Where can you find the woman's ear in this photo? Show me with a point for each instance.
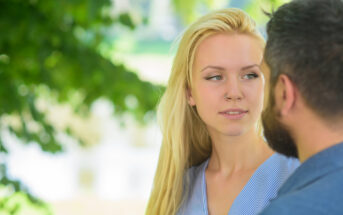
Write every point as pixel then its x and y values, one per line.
pixel 190 98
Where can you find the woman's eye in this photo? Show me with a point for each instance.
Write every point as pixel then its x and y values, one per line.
pixel 215 78
pixel 250 76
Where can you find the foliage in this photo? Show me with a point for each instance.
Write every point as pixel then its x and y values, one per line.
pixel 51 48
pixel 257 8
pixel 190 9
pixel 17 196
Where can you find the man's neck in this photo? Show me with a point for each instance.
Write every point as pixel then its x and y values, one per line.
pixel 314 136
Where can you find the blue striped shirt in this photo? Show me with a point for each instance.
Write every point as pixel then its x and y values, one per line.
pixel 255 195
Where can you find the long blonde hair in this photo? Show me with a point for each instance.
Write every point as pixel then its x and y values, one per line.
pixel 186 141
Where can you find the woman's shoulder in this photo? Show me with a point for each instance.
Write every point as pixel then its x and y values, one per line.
pixel 196 171
pixel 193 177
pixel 278 168
pixel 193 190
pixel 286 163
pixel 264 184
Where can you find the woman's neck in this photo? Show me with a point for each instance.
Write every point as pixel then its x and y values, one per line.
pixel 232 154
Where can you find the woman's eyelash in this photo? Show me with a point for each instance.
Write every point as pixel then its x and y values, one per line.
pixel 214 77
pixel 251 75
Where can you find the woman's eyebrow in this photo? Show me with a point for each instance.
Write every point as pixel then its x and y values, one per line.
pixel 212 67
pixel 222 68
pixel 250 66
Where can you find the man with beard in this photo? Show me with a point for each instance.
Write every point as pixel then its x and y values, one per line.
pixel 304 117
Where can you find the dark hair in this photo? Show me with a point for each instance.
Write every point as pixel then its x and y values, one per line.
pixel 305 42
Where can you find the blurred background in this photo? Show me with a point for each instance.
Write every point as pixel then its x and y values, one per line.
pixel 79 85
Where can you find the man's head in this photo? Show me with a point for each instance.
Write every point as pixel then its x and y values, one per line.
pixel 304 52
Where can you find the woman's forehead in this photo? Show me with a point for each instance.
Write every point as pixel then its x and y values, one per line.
pixel 228 51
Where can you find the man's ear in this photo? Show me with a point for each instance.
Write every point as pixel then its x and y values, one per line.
pixel 190 98
pixel 285 94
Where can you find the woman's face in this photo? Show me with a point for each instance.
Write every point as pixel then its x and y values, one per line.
pixel 228 84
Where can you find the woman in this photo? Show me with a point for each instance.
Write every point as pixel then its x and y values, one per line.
pixel 213 158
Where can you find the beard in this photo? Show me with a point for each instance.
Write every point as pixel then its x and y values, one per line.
pixel 277 135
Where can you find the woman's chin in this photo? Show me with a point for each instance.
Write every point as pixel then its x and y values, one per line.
pixel 233 132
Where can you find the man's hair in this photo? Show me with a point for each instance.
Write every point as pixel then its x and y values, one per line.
pixel 305 42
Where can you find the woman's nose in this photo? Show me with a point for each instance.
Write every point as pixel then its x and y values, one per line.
pixel 233 90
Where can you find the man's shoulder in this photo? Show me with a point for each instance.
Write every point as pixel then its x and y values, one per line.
pixel 322 196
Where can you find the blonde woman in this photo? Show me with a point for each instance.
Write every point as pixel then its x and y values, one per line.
pixel 213 158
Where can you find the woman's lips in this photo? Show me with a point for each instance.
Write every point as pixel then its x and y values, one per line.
pixel 233 113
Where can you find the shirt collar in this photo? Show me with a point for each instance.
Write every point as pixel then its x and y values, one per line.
pixel 318 165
